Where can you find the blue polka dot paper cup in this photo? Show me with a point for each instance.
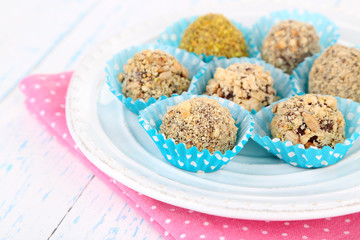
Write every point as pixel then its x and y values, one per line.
pixel 300 75
pixel 282 83
pixel 312 157
pixel 328 32
pixel 115 65
pixel 173 34
pixel 192 159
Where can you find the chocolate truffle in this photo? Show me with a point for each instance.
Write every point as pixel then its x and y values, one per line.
pixel 244 83
pixel 214 34
pixel 337 72
pixel 201 122
pixel 311 120
pixel 288 43
pixel 153 74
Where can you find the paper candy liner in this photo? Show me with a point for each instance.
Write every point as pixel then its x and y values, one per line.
pixel 312 157
pixel 115 65
pixel 192 159
pixel 327 31
pixel 173 34
pixel 282 83
pixel 300 75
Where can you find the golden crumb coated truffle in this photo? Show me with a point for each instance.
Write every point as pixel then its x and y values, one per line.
pixel 201 122
pixel 214 34
pixel 244 83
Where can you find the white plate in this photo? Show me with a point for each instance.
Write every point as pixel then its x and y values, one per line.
pixel 254 185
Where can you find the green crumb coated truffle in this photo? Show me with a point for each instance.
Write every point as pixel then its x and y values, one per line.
pixel 214 34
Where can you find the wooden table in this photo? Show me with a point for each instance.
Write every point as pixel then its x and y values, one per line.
pixel 45 192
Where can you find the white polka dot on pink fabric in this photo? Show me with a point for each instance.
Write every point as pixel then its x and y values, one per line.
pixel 286 223
pixel 166 233
pixel 172 209
pixel 225 226
pixel 304 237
pixel 187 222
pixel 64 135
pixel 221 238
pixel 62 105
pixel 202 236
pixel 53 125
pixel 42 113
pixel 57 84
pixel 284 234
pixel 52 92
pixel 37 86
pixel 183 235
pixel 22 86
pixel 306 226
pixel 206 223
pixel 47 100
pixel 153 207
pixel 62 76
pixel 57 114
pixel 32 100
pixel 347 220
pixel 151 219
pixel 244 228
pixel 346 232
pixel 167 221
pixel 326 230
pixel 137 206
pixel 264 232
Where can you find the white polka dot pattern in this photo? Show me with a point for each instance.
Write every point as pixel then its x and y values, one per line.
pixel 313 157
pixel 174 222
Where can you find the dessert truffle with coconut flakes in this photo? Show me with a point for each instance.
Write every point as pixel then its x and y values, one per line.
pixel 288 43
pixel 311 120
pixel 337 72
pixel 244 83
pixel 214 34
pixel 153 73
pixel 201 122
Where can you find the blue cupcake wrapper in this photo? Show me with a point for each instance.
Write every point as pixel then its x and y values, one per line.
pixel 300 75
pixel 282 84
pixel 115 66
pixel 328 32
pixel 312 157
pixel 192 159
pixel 173 34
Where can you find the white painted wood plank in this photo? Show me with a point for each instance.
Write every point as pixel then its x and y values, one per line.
pixel 109 18
pixel 39 179
pixel 29 32
pixel 102 214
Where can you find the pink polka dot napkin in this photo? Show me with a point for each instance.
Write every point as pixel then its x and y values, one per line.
pixel 45 98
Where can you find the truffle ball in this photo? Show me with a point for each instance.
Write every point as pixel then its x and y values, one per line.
pixel 244 83
pixel 288 43
pixel 200 122
pixel 214 34
pixel 337 72
pixel 153 74
pixel 311 120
